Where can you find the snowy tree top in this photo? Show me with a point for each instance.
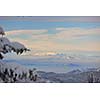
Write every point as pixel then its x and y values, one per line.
pixel 7 46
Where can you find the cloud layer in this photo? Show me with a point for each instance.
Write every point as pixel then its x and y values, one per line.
pixel 62 40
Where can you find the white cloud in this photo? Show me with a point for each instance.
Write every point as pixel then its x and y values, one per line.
pixel 32 32
pixel 65 33
pixel 44 54
pixel 53 42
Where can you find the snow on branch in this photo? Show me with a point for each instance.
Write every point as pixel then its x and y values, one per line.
pixel 7 46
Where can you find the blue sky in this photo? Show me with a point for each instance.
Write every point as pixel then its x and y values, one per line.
pixel 17 25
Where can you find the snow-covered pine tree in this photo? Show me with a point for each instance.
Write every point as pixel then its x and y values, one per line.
pixel 7 46
pixel 12 72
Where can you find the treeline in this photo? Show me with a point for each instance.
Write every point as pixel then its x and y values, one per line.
pixel 93 79
pixel 10 75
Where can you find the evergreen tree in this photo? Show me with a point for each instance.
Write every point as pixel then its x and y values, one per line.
pixel 6 46
pixel 30 74
pixel 90 78
pixel 15 78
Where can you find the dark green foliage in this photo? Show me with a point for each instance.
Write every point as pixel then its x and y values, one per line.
pixel 30 74
pixel 3 76
pixel 93 79
pixel 6 72
pixel 35 78
pixel 24 75
pixel 1 56
pixel 19 76
pixel 15 78
pixel 90 78
pixel 10 75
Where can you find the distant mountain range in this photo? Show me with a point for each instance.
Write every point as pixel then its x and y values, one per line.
pixel 75 76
